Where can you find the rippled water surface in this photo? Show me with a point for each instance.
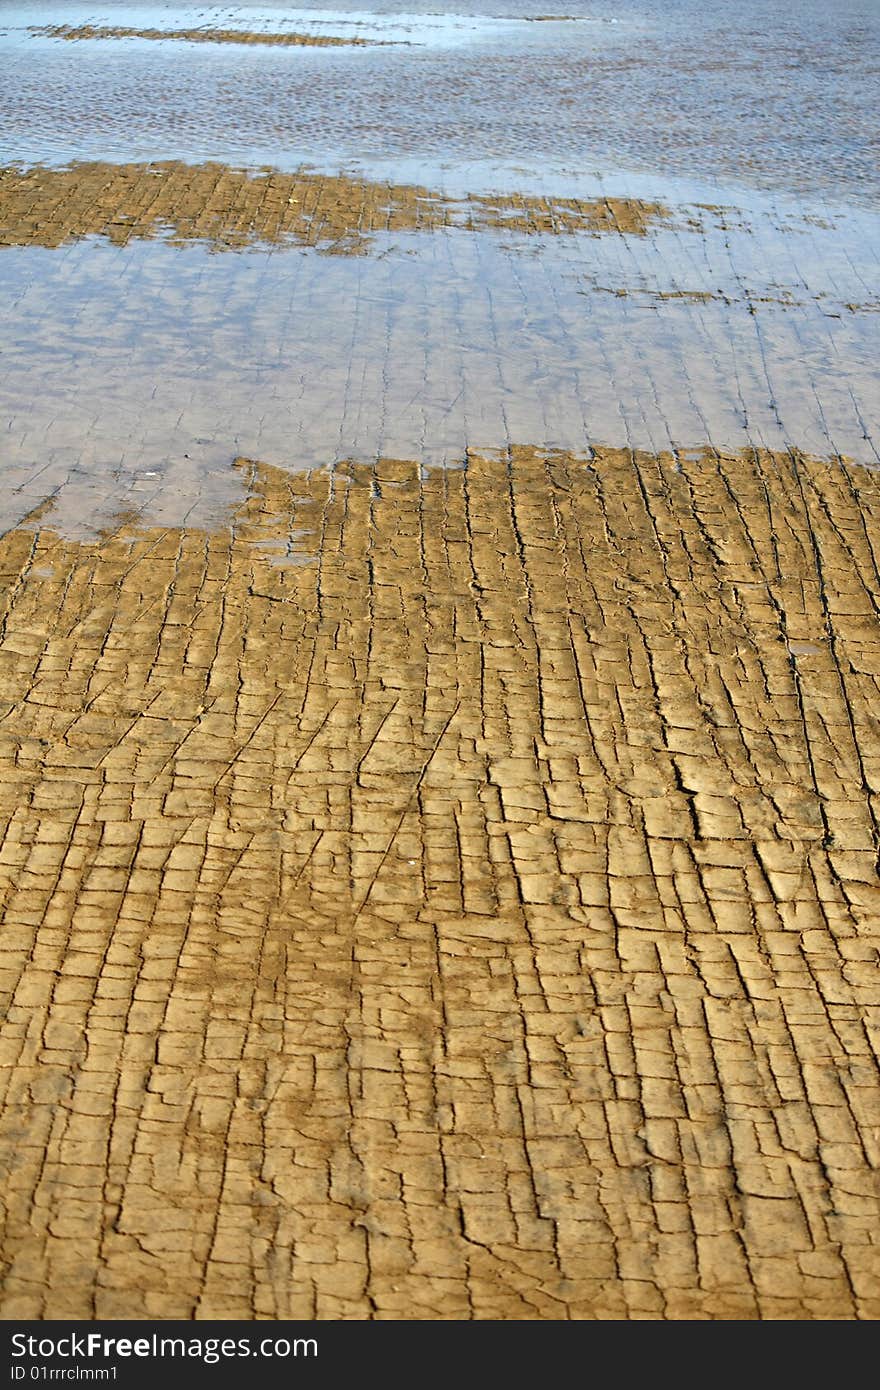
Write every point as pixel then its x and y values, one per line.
pixel 755 93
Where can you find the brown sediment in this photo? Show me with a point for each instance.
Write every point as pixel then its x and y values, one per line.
pixel 232 208
pixel 786 301
pixel 291 40
pixel 656 296
pixel 448 897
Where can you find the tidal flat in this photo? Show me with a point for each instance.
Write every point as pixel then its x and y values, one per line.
pixel 439 662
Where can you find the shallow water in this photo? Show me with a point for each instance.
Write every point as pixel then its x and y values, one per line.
pixel 132 376
pixel 138 373
pixel 754 94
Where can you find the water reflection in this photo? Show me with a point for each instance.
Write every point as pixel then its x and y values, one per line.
pixel 750 94
pixel 135 374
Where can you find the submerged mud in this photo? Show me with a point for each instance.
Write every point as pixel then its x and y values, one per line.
pixel 233 208
pixel 291 40
pixel 448 896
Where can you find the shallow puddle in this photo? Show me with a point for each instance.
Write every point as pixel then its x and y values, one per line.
pixel 135 373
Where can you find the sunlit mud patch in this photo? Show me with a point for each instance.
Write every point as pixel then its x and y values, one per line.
pixel 513 822
pixel 233 208
pixel 239 36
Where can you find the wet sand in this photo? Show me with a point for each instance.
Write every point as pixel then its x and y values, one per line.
pixel 290 40
pixel 231 207
pixel 448 896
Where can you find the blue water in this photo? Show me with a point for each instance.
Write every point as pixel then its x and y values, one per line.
pixel 131 377
pixel 749 95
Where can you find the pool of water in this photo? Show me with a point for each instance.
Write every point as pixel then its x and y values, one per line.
pixel 131 377
pixel 135 374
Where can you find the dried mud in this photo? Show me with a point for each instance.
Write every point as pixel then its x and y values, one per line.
pixel 231 208
pixel 92 31
pixel 449 896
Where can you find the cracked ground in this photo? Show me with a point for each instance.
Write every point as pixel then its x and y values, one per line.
pixel 447 894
